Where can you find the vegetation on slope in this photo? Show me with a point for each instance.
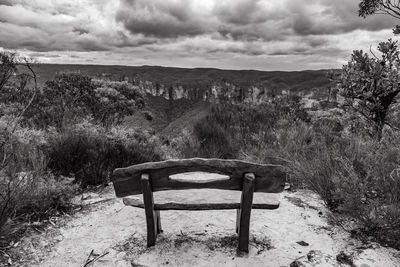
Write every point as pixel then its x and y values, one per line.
pixel 308 81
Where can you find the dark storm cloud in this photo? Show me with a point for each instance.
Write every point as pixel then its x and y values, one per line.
pixel 333 17
pixel 160 18
pixel 80 30
pixel 6 2
pixel 241 12
pixel 246 19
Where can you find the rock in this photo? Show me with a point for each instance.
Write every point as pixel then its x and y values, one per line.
pixel 302 243
pixel 314 256
pixel 297 264
pixel 134 264
pixel 345 258
pixel 374 246
pixel 59 238
pixel 287 187
pixel 89 195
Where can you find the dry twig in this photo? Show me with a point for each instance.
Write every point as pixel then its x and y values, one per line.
pixel 89 262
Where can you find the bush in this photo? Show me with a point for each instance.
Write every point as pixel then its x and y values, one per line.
pixel 90 153
pixel 70 97
pixel 355 175
pixel 183 146
pixel 215 141
pixel 26 188
pixel 38 196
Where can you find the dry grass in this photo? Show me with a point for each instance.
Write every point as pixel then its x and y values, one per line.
pixel 136 245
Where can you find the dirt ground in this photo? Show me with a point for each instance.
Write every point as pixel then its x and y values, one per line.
pixel 116 236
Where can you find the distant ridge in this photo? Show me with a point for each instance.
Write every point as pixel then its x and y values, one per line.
pixel 194 77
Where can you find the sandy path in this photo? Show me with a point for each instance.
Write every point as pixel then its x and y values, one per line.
pixel 194 238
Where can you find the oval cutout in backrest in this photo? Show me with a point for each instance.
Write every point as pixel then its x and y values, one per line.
pixel 198 177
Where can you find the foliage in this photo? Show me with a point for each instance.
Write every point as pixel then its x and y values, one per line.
pixel 183 146
pixel 90 153
pixel 74 96
pixel 388 7
pixel 215 140
pixel 116 100
pixel 68 96
pixel 15 157
pixel 26 188
pixel 8 67
pixel 230 127
pixel 354 175
pixel 371 85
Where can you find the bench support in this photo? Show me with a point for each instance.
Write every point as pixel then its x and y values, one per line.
pixel 153 218
pixel 158 218
pixel 151 215
pixel 245 211
pixel 237 220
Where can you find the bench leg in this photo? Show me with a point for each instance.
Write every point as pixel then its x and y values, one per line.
pixel 245 211
pixel 158 218
pixel 151 217
pixel 237 220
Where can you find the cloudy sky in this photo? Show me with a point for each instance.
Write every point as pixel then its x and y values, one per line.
pixel 232 34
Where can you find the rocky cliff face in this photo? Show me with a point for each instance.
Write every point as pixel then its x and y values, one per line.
pixel 215 92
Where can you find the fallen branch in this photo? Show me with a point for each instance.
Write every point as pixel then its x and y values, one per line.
pixel 88 262
pixel 88 258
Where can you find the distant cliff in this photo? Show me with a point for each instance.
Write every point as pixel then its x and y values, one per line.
pixel 215 92
pixel 213 85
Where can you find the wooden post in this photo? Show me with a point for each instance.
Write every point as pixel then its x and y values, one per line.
pixel 237 220
pixel 149 210
pixel 245 211
pixel 158 218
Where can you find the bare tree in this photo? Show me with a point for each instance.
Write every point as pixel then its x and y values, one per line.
pixel 10 185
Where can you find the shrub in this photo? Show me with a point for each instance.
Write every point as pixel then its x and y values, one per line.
pixel 184 146
pixel 116 100
pixel 354 174
pixel 72 96
pixel 90 153
pixel 215 141
pixel 26 188
pixel 37 196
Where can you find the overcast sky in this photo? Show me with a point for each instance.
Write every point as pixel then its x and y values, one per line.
pixel 230 34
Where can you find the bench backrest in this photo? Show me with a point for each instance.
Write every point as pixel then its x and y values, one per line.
pixel 269 178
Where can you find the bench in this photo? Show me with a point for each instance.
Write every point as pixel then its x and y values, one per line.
pixel 244 176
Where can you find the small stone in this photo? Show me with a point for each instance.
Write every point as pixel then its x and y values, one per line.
pixel 287 186
pixel 59 238
pixel 345 258
pixel 314 255
pixel 302 243
pixel 297 264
